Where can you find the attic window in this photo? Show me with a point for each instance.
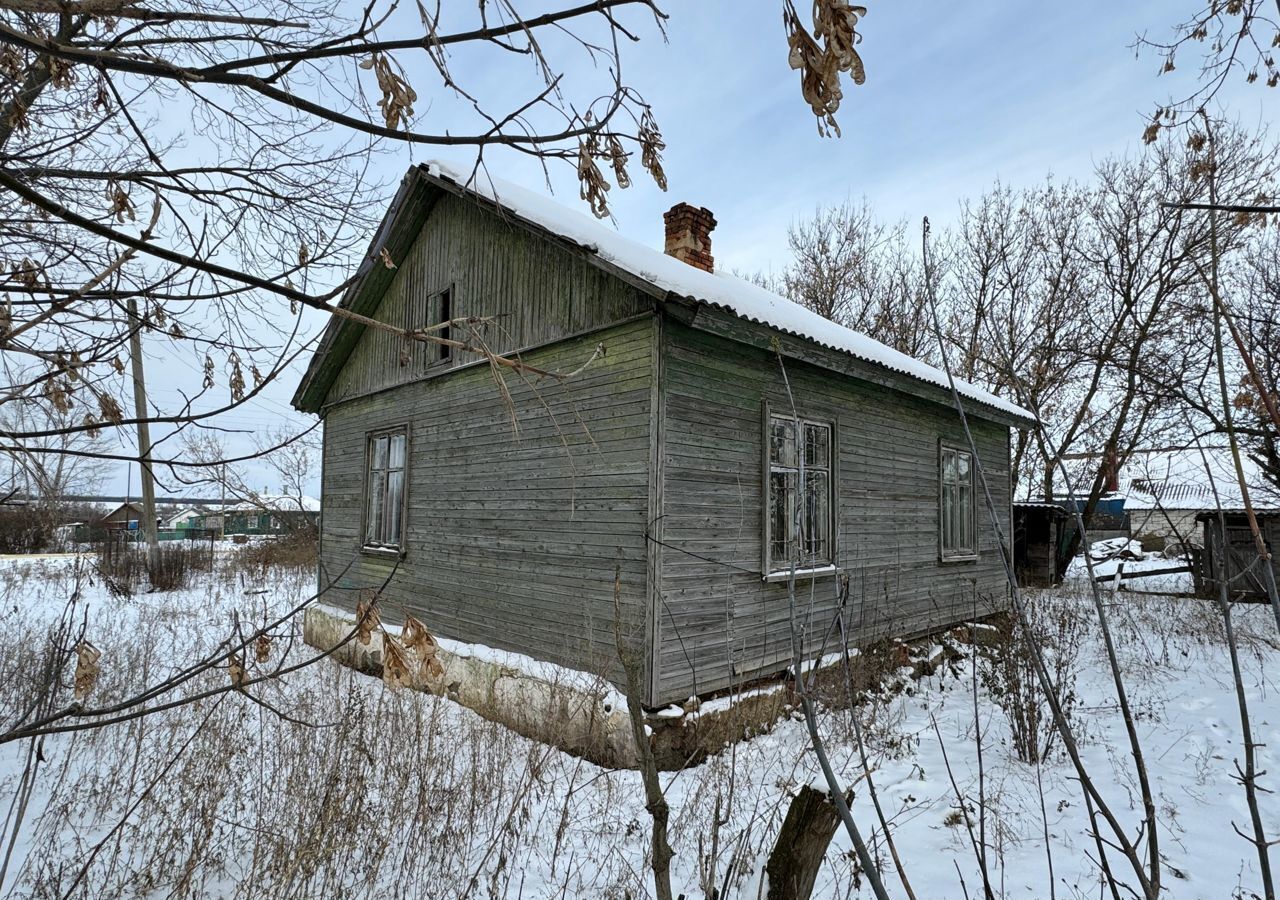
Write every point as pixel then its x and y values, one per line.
pixel 799 501
pixel 384 489
pixel 446 313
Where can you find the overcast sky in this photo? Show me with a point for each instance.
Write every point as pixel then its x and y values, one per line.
pixel 957 97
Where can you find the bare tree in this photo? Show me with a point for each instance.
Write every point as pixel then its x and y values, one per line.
pixel 852 268
pixel 212 165
pixel 1235 39
pixel 44 468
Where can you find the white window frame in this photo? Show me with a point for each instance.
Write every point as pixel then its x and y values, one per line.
pixel 377 483
pixel 782 569
pixel 957 507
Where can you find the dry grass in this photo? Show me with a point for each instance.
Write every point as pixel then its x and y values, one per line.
pixel 361 791
pixel 365 791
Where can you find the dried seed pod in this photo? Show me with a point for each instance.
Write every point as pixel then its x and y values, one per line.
pixel 593 187
pixel 395 667
pixel 262 648
pixel 367 620
pixel 235 669
pixel 424 646
pixel 397 96
pixel 651 147
pixel 87 657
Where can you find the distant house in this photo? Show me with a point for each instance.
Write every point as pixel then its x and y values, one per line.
pixel 186 518
pixel 125 517
pixel 712 440
pixel 263 514
pixel 122 519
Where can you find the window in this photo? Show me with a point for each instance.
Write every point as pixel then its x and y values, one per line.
pixel 957 523
pixel 446 313
pixel 384 489
pixel 798 511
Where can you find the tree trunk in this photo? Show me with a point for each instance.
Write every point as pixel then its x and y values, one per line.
pixel 802 844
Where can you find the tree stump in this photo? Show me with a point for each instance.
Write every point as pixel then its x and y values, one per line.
pixel 802 844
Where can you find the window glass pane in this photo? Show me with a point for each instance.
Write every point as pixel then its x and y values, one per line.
pixel 817 517
pixel 396 459
pixel 380 452
pixel 948 466
pixel 373 520
pixel 965 512
pixel 781 511
pixel 782 442
pixel 395 507
pixel 446 313
pixel 948 534
pixel 962 467
pixel 817 446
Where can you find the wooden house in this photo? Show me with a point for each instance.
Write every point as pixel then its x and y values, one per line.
pixel 263 514
pixel 676 444
pixel 125 517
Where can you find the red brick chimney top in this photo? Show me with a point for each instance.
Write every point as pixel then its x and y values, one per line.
pixel 689 235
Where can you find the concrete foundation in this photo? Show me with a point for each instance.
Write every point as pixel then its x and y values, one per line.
pixel 579 714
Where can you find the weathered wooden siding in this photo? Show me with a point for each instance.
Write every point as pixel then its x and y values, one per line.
pixel 512 537
pixel 719 622
pixel 535 289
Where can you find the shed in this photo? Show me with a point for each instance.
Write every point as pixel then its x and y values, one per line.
pixel 1168 487
pixel 677 446
pixel 1041 532
pixel 1232 556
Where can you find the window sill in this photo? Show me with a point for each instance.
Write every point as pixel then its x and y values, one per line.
pixel 785 574
pixel 967 558
pixel 388 553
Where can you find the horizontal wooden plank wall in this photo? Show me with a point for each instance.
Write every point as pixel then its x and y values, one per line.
pixel 535 290
pixel 513 532
pixel 719 622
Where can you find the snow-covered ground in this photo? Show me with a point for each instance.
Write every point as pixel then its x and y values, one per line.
pixel 365 791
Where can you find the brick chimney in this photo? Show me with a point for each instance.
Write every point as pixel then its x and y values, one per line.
pixel 689 235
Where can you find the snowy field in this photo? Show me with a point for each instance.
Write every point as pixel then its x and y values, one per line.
pixel 336 786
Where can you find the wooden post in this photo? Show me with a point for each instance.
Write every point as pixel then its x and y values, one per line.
pixel 140 411
pixel 802 844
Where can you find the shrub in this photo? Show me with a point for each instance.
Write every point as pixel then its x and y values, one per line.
pixel 295 550
pixel 24 529
pixel 126 562
pixel 1055 630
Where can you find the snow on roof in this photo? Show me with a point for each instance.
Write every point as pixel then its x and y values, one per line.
pixel 740 297
pixel 1178 479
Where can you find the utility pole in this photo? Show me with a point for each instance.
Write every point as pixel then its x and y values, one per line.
pixel 140 408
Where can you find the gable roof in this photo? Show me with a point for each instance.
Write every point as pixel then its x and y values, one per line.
pixel 663 276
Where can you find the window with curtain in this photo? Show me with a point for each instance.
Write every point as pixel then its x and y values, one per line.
pixel 957 522
pixel 384 489
pixel 799 503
